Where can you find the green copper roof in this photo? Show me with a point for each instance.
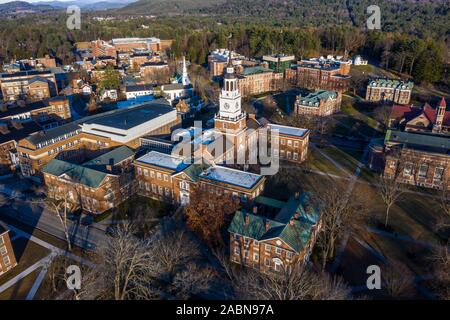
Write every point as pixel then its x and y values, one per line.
pixel 270 202
pixel 79 174
pixel 260 228
pixel 391 83
pixel 314 98
pixel 254 70
pixel 110 158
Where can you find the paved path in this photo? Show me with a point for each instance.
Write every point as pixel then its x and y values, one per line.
pixel 44 262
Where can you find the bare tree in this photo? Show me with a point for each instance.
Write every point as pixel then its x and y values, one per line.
pixel 63 201
pixel 193 280
pixel 342 209
pixel 299 284
pixel 441 269
pixel 397 280
pixel 443 221
pixel 391 189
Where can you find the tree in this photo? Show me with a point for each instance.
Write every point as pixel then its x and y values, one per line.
pixel 342 209
pixel 62 201
pixel 382 115
pixel 193 280
pixel 391 189
pixel 207 212
pixel 110 79
pixel 299 284
pixel 397 280
pixel 441 269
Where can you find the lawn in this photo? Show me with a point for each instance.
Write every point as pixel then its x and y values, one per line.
pixel 21 289
pixel 317 161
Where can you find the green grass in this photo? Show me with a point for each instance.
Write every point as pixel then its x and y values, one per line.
pixel 318 162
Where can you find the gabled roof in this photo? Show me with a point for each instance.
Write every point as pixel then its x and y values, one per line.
pixel 79 174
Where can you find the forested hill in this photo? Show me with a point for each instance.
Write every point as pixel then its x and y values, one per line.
pixel 423 17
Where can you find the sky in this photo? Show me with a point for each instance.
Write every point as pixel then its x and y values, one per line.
pixel 5 1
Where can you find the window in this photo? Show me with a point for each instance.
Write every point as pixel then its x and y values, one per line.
pixel 289 254
pixel 139 171
pixel 288 155
pixel 283 142
pixel 256 243
pixel 167 191
pixel 423 170
pixel 6 260
pixel 1 241
pixel 146 172
pixel 160 190
pixel 166 177
pixel 295 144
pixel 278 250
pixel 277 266
pixel 147 186
pixel 407 171
pixel 295 156
pixel 237 251
pixel 289 142
pixel 159 176
pixel 438 173
pixel 246 254
pixel 3 251
pixel 256 257
pixel 153 188
pixel 267 262
pixel 267 248
pixel 152 174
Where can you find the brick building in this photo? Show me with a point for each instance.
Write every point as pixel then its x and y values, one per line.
pixel 279 62
pixel 7 256
pixel 420 159
pixel 257 80
pixel 273 245
pixel 292 144
pixel 168 177
pixel 130 44
pixel 389 90
pixel 320 74
pixel 101 48
pixel 95 186
pixel 89 136
pixel 425 119
pixel 320 103
pixel 28 84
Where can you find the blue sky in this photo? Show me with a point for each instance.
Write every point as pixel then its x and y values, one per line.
pixel 4 1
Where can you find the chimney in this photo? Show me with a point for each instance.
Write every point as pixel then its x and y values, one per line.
pixel 110 165
pixel 255 210
pixel 4 128
pixel 17 124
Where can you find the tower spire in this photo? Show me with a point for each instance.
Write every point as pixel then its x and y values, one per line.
pixel 184 77
pixel 230 64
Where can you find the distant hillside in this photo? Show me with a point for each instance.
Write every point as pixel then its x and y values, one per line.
pixel 91 5
pixel 168 7
pixel 22 8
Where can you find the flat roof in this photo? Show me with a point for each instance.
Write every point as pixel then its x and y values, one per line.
pixel 163 160
pixel 231 176
pixel 131 117
pixel 291 131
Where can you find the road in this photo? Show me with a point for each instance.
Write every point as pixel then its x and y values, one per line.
pixel 34 215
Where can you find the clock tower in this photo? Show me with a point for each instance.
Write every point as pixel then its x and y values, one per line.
pixel 230 116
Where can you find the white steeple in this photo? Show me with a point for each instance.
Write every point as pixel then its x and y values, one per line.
pixel 185 77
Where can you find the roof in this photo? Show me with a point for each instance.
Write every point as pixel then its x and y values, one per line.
pixel 422 141
pixel 53 133
pixel 131 117
pixel 163 160
pixel 175 86
pixel 270 202
pixel 80 174
pixel 194 170
pixel 254 70
pixel 391 83
pixel 231 176
pixel 140 87
pixel 19 134
pixel 290 131
pixel 24 73
pixel 295 234
pixel 314 98
pixel 110 158
pixel 410 112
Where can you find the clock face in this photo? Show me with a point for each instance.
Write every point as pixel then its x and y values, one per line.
pixel 226 106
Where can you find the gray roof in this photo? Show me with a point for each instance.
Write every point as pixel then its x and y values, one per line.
pixel 133 116
pixel 420 141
